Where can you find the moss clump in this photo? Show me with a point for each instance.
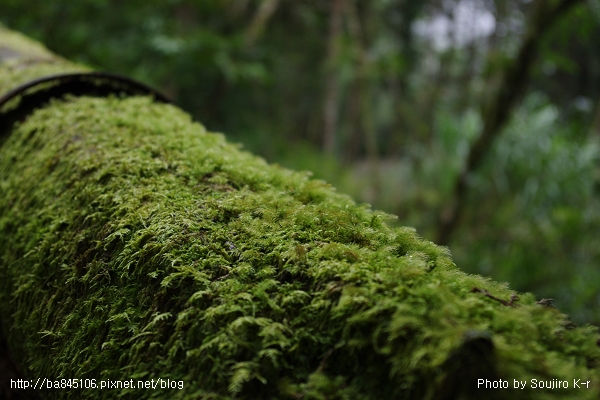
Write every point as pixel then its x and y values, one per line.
pixel 136 245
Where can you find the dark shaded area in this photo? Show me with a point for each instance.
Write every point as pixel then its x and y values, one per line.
pixel 10 374
pixel 472 362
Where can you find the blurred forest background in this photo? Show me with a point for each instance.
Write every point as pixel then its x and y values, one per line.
pixel 475 121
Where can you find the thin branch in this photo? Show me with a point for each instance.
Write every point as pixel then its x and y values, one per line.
pixel 546 303
pixel 259 22
pixel 509 303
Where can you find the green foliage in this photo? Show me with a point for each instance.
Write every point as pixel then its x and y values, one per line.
pixel 541 185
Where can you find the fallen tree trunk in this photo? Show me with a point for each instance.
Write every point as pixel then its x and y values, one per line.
pixel 145 257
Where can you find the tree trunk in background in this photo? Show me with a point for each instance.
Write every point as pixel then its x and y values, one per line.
pixel 359 32
pixel 332 81
pixel 401 18
pixel 497 111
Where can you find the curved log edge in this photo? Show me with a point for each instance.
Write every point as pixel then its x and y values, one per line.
pixel 24 99
pixel 138 246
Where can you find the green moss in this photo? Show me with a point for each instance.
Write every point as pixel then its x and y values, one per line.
pixel 136 245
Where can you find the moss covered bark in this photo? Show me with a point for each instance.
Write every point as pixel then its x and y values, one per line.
pixel 137 245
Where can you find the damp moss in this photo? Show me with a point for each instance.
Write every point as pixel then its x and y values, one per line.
pixel 137 245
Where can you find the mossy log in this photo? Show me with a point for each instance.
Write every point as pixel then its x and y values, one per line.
pixel 135 245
